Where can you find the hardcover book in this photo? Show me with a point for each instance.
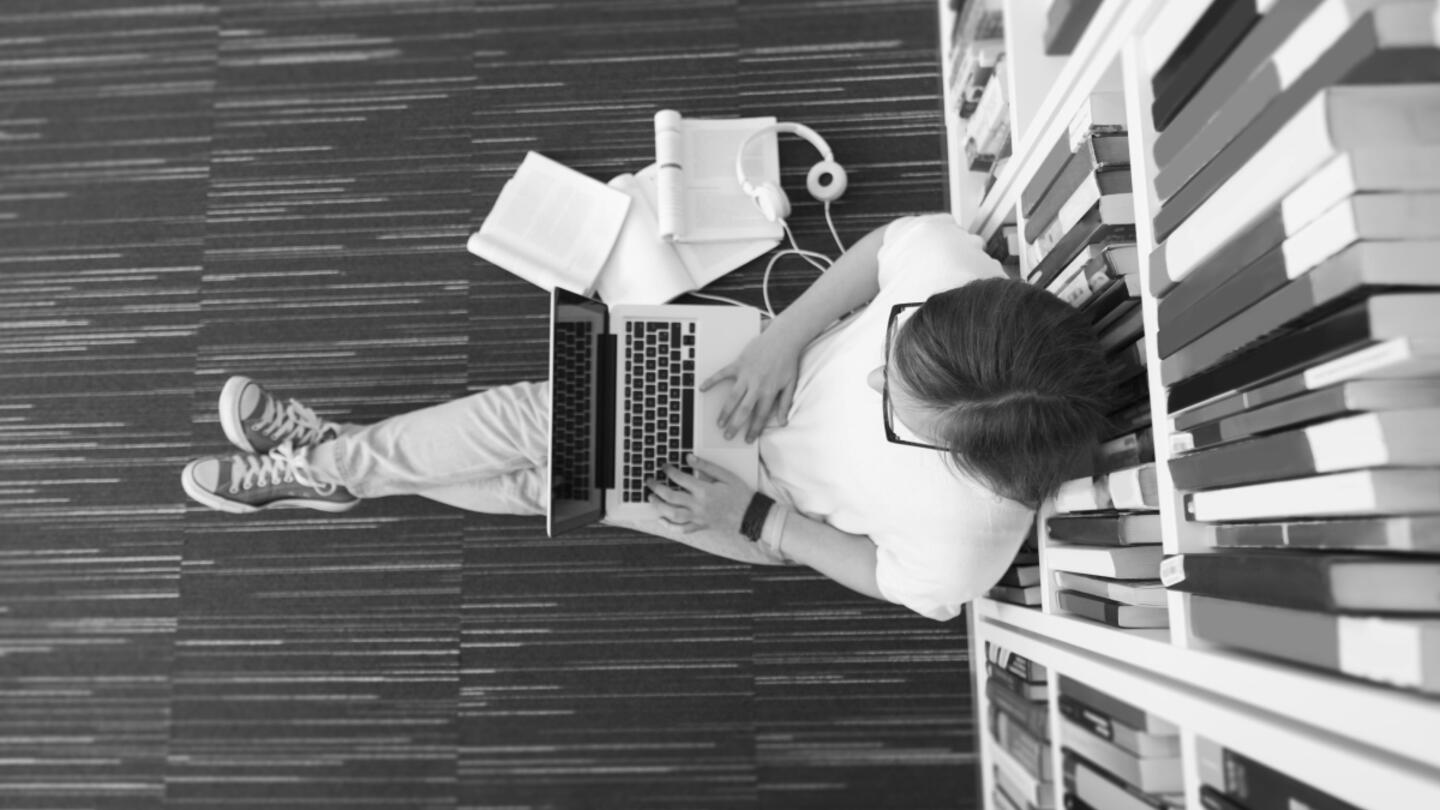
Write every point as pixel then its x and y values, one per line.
pixel 1139 592
pixel 1339 118
pixel 1357 493
pixel 1140 743
pixel 1403 533
pixel 1118 562
pixel 1218 31
pixel 1334 583
pixel 1116 614
pixel 1401 651
pixel 1117 529
pixel 1150 774
pixel 1407 438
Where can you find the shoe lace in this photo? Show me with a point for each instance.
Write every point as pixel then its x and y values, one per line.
pixel 283 464
pixel 293 421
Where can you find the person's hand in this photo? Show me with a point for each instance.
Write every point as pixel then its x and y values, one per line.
pixel 712 498
pixel 764 378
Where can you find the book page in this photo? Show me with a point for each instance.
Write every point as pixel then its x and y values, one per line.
pixel 642 268
pixel 700 199
pixel 704 261
pixel 553 226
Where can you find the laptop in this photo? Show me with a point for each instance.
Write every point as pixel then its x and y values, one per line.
pixel 626 401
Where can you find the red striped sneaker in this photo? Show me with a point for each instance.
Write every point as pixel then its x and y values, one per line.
pixel 248 482
pixel 258 421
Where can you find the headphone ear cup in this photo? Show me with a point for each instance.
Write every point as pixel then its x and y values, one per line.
pixel 826 181
pixel 772 201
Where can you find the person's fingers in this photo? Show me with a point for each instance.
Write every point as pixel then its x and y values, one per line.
pixel 680 478
pixel 669 495
pixel 782 407
pixel 759 415
pixel 727 373
pixel 712 469
pixel 740 416
pixel 733 402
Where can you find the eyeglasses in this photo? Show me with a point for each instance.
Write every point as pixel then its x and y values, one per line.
pixel 888 408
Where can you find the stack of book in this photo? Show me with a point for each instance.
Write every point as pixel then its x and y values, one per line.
pixel 1116 756
pixel 1104 551
pixel 1232 781
pixel 1020 584
pixel 1298 337
pixel 1079 239
pixel 979 86
pixel 1019 725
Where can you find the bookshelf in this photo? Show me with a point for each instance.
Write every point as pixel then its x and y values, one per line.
pixel 1358 741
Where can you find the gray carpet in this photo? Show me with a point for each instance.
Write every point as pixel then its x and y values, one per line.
pixel 284 189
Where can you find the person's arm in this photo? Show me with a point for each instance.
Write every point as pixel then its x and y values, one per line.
pixel 715 498
pixel 849 559
pixel 764 374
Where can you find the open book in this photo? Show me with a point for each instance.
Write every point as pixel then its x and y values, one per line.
pixel 645 269
pixel 552 226
pixel 700 199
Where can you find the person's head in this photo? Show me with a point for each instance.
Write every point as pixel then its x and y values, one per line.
pixel 1007 377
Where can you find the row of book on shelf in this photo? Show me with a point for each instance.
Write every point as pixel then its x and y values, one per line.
pixel 1298 168
pixel 1113 755
pixel 1298 331
pixel 979 86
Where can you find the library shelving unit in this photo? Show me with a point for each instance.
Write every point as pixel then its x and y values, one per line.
pixel 1366 744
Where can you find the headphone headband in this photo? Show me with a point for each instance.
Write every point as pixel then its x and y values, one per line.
pixel 782 127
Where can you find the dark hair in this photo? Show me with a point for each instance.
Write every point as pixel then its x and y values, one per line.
pixel 1018 378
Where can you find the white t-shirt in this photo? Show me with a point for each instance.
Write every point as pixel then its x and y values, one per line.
pixel 941 538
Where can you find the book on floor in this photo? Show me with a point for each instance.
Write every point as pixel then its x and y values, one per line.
pixel 1140 743
pixel 1116 614
pixel 645 269
pixel 1308 580
pixel 1392 43
pixel 1354 493
pixel 1401 533
pixel 1151 774
pixel 1342 399
pixel 552 226
pixel 1112 529
pixel 1401 651
pixel 699 199
pixel 1116 562
pixel 1337 119
pixel 1139 592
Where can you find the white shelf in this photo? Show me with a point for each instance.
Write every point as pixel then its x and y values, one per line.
pixel 1364 743
pixel 1164 682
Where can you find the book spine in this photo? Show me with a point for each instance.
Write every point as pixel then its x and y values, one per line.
pixel 1033 715
pixel 1260 787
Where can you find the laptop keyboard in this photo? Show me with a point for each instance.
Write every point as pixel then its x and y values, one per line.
pixel 659 397
pixel 573 414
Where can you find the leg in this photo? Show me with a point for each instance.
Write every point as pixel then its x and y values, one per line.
pixel 489 435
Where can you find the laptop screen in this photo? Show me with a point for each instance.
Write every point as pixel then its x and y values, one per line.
pixel 581 390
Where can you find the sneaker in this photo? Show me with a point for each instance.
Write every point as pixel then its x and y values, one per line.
pixel 258 421
pixel 248 482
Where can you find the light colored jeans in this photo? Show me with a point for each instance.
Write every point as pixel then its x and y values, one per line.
pixel 486 452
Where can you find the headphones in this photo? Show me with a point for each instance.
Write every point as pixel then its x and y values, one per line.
pixel 826 180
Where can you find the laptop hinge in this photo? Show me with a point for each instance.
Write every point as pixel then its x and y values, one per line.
pixel 605 437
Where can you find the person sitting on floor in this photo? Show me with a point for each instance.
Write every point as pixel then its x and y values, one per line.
pixel 904 448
